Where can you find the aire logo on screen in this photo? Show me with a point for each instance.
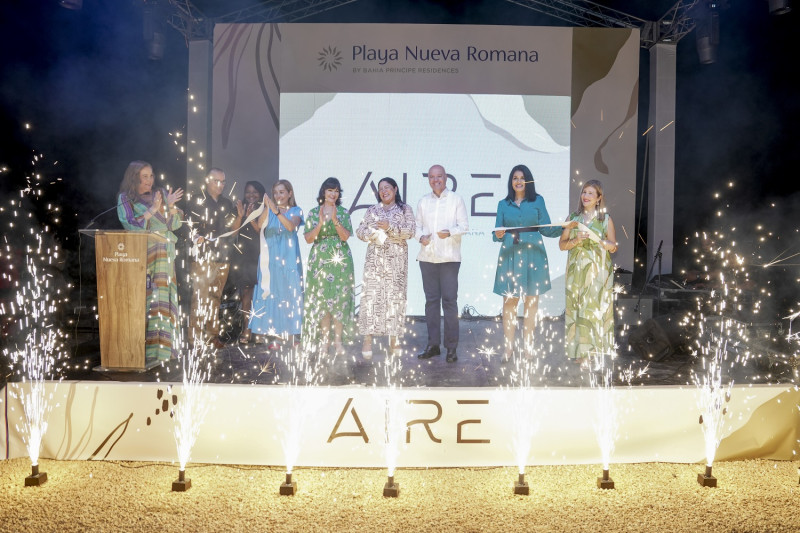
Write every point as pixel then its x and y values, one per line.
pixel 330 58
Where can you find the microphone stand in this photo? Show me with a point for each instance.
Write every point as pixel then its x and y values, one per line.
pixel 657 259
pixel 89 225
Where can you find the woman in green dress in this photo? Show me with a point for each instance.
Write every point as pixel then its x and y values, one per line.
pixel 330 287
pixel 141 206
pixel 589 317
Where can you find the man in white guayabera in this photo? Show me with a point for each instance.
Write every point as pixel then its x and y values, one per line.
pixel 441 220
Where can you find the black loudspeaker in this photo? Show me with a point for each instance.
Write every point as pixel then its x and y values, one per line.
pixel 656 339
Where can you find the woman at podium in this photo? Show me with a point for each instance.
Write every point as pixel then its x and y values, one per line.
pixel 141 206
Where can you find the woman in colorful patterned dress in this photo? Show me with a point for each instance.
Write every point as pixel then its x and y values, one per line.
pixel 141 207
pixel 589 317
pixel 330 291
pixel 522 269
pixel 278 296
pixel 386 227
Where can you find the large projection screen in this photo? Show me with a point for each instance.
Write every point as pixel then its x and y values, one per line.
pixel 365 101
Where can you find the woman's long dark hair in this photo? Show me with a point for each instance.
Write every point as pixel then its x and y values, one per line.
pixel 399 201
pixel 330 183
pixel 258 187
pixel 530 186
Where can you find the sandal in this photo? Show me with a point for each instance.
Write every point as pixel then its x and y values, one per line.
pixel 338 348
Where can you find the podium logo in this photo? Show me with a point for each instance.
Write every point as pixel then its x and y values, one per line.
pixel 330 58
pixel 120 246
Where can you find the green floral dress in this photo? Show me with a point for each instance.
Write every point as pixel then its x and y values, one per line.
pixel 330 280
pixel 589 317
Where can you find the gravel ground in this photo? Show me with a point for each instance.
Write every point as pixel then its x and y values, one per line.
pixel 752 495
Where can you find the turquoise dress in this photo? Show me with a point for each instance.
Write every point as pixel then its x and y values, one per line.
pixel 279 313
pixel 522 268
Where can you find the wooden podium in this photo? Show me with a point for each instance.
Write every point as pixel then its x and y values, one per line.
pixel 121 258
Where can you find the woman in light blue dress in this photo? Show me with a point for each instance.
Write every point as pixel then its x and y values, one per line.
pixel 277 308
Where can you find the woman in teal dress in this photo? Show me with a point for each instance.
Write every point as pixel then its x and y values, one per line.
pixel 522 270
pixel 277 308
pixel 589 317
pixel 330 288
pixel 141 207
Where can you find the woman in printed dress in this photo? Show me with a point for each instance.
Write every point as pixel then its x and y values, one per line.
pixel 386 227
pixel 141 206
pixel 589 317
pixel 330 290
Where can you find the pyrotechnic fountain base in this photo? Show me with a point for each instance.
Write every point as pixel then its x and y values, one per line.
pixel 605 482
pixel 288 487
pixel 706 479
pixel 181 484
pixel 391 489
pixel 521 486
pixel 36 478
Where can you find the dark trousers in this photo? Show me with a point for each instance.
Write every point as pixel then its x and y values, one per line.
pixel 440 283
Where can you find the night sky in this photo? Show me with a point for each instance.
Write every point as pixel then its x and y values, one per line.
pixel 83 81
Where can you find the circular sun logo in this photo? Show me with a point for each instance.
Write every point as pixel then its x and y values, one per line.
pixel 330 58
pixel 120 246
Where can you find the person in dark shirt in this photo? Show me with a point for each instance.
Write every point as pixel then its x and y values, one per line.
pixel 215 215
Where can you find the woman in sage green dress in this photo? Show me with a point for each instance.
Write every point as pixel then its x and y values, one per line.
pixel 589 317
pixel 330 287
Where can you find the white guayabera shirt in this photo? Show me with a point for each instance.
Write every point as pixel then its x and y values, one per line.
pixel 434 214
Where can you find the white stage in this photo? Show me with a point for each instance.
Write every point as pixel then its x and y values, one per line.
pixel 449 427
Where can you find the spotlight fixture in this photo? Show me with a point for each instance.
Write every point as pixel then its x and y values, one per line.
pixel 181 484
pixel 706 479
pixel 36 478
pixel 521 486
pixel 391 489
pixel 153 30
pixel 707 34
pixel 779 7
pixel 605 482
pixel 289 487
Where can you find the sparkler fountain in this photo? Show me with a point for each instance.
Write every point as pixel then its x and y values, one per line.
pixel 37 357
pixel 290 413
pixel 526 406
pixel 396 417
pixel 191 408
pixel 712 398
pixel 606 423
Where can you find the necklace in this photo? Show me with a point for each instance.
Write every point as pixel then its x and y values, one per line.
pixel 587 217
